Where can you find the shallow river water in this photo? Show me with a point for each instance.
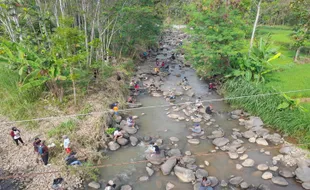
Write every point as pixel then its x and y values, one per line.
pixel 155 122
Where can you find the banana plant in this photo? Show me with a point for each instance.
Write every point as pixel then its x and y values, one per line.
pixel 290 103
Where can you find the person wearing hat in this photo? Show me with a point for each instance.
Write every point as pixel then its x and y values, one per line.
pixel 67 144
pixel 15 134
pixel 110 186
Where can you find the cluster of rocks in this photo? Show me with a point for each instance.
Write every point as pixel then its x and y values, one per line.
pixel 173 162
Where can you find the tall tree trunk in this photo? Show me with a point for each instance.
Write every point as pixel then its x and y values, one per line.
pixel 297 53
pixel 255 25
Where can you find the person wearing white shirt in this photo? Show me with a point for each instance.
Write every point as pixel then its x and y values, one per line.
pixel 67 144
pixel 117 134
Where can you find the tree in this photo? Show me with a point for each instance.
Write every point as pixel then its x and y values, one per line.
pixel 218 31
pixel 255 24
pixel 301 12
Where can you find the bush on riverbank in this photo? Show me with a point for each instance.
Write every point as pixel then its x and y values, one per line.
pixel 290 121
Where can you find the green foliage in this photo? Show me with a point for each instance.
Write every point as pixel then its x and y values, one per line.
pixel 291 121
pixel 217 33
pixel 255 66
pixel 110 131
pixel 291 104
pixel 64 128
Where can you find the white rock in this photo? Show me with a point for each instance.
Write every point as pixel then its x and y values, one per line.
pixel 243 157
pixel 262 167
pixel 261 141
pixel 248 163
pixel 94 185
pixel 207 163
pixel 169 186
pixel 239 166
pixel 267 175
pixel 144 178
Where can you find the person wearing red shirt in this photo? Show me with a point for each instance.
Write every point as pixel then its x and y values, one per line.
pixel 15 134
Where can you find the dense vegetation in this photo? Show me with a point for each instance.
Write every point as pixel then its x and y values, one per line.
pixel 242 44
pixel 55 49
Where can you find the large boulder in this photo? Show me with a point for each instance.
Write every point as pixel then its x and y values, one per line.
pixel 184 174
pixel 133 140
pixel 113 146
pixel 122 141
pixel 130 130
pixel 193 141
pixel 286 173
pixel 303 173
pixel 255 122
pixel 220 141
pixel 279 181
pixel 94 185
pixel 248 163
pixel 236 180
pixel 216 134
pixel 174 153
pixel 248 134
pixel 200 173
pixel 155 159
pixel 214 180
pixel 188 160
pixel 168 166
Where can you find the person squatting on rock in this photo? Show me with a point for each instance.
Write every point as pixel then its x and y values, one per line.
pixel 43 152
pixel 110 186
pixel 199 103
pixel 130 122
pixel 209 109
pixel 15 134
pixel 117 134
pixel 185 81
pixel 205 184
pixel 114 107
pixel 153 149
pixel 196 128
pixel 67 144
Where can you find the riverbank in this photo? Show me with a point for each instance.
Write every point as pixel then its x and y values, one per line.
pixel 86 134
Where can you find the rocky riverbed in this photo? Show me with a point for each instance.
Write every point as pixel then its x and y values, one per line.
pixel 236 150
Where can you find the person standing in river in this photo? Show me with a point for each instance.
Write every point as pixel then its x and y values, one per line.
pixel 15 134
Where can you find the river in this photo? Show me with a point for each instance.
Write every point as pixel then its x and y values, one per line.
pixel 155 123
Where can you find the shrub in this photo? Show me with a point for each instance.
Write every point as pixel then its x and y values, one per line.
pixel 110 131
pixel 64 128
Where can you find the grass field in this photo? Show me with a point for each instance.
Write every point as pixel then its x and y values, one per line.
pixel 291 76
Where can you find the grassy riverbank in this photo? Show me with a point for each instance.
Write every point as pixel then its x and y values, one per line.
pixel 290 121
